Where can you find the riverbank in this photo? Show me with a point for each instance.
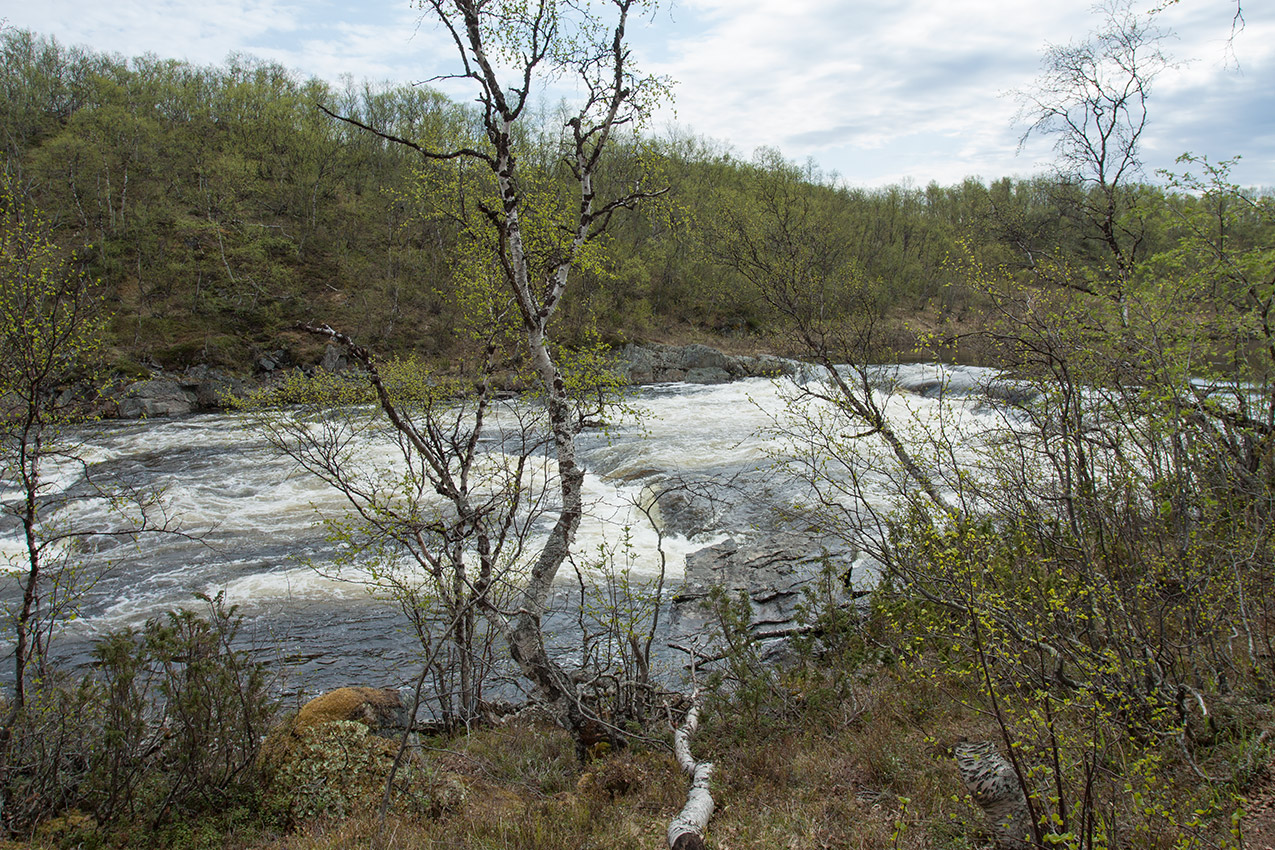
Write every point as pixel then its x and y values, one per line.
pixel 678 353
pixel 843 747
pixel 843 737
pixel 205 389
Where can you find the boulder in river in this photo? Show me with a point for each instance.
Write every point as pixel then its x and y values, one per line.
pixel 167 394
pixel 156 397
pixel 655 363
pixel 773 571
pixel 212 387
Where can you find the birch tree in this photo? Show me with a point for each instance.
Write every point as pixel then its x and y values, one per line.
pixel 51 329
pixel 534 237
pixel 1091 98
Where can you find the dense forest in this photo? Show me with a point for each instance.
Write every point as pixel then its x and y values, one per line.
pixel 221 205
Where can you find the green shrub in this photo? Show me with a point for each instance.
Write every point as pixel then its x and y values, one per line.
pixel 338 769
pixel 169 721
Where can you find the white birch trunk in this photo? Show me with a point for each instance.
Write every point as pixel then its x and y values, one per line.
pixel 686 831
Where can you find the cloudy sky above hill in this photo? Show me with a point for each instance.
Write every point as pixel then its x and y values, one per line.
pixel 879 91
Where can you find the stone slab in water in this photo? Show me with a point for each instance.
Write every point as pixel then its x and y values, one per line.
pixel 696 364
pixel 773 572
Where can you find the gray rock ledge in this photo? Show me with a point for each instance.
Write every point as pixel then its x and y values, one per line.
pixel 773 572
pixel 656 363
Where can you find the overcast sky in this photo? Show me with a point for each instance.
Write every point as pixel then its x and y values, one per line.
pixel 879 91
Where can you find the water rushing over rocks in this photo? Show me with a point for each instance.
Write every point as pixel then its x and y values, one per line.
pixel 700 457
pixel 203 389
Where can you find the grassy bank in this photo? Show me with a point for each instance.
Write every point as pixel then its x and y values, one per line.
pixel 849 746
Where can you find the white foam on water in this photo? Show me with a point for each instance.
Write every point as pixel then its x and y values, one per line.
pixel 616 530
pixel 692 427
pixel 253 501
pixel 297 583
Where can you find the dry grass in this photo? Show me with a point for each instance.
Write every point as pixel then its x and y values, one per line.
pixel 871 776
pixel 874 775
pixel 523 789
pixel 871 769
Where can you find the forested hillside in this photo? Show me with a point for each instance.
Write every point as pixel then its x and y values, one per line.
pixel 220 205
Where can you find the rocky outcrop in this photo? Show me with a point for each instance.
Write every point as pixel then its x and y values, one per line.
pixel 155 397
pixel 697 364
pixel 202 388
pixel 773 572
pixel 212 387
pixel 334 359
pixel 273 361
pixel 169 394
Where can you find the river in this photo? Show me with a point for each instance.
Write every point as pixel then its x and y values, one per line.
pixel 250 516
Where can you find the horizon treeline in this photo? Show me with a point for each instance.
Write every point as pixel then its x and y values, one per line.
pixel 219 206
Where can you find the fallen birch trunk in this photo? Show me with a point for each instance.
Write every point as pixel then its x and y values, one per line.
pixel 686 831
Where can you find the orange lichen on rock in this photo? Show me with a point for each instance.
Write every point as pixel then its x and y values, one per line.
pixel 377 708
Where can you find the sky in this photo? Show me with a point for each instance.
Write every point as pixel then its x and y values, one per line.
pixel 876 92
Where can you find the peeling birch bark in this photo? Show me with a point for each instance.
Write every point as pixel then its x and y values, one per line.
pixel 686 831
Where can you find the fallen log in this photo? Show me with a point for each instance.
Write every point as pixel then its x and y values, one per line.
pixel 686 831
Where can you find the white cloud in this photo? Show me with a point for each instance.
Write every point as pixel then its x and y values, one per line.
pixel 880 91
pixel 875 89
pixel 203 31
pixel 856 85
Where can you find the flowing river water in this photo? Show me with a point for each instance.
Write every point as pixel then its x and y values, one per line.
pixel 251 517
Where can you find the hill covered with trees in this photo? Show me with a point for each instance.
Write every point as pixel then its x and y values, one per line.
pixel 219 206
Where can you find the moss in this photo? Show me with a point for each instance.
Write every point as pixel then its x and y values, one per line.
pixel 376 708
pixel 72 828
pixel 338 768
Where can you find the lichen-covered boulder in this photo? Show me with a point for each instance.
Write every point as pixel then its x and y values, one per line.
pixel 333 757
